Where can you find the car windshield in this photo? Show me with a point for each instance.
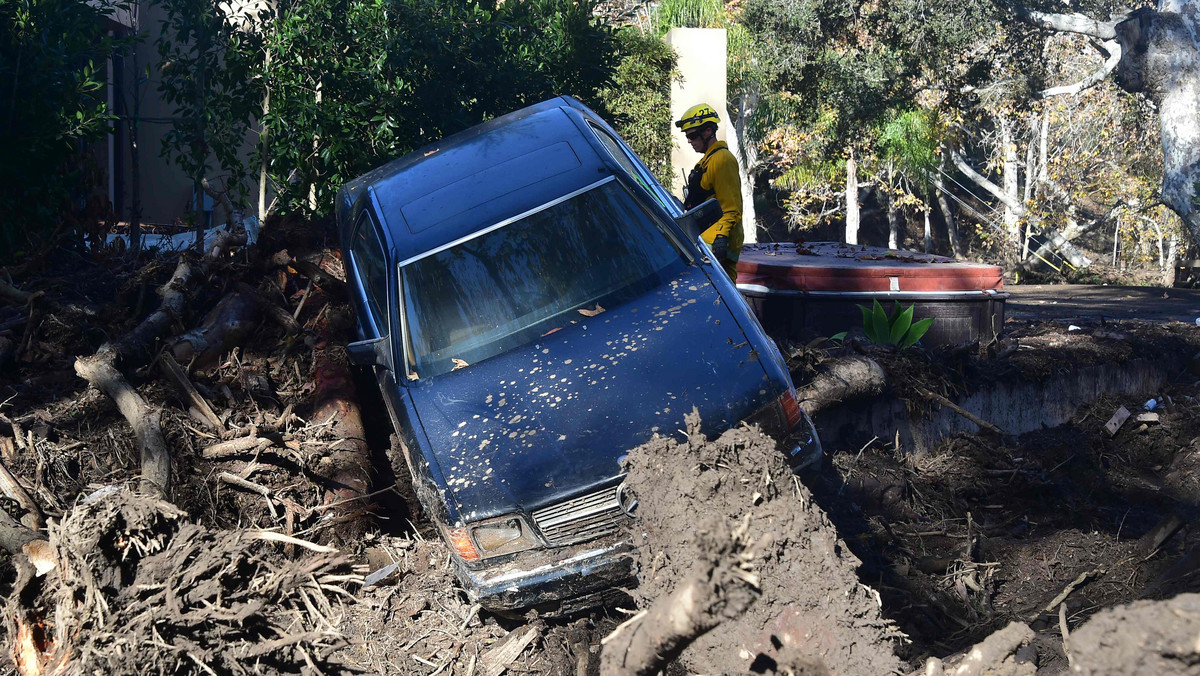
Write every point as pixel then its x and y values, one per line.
pixel 549 269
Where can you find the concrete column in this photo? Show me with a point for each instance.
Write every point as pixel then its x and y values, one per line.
pixel 701 53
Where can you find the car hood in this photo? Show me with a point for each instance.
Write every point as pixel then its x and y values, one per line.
pixel 547 421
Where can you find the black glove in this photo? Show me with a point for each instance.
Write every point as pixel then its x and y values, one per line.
pixel 720 247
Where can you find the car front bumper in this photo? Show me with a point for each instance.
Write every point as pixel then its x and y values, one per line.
pixel 540 576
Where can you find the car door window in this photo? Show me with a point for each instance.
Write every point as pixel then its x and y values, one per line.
pixel 367 256
pixel 618 153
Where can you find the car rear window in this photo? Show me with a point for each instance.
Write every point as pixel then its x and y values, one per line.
pixel 511 285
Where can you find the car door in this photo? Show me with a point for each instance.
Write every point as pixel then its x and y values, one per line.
pixel 373 281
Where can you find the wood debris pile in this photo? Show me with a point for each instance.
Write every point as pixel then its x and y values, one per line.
pixel 138 588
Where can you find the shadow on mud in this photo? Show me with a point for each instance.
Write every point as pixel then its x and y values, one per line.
pixel 963 539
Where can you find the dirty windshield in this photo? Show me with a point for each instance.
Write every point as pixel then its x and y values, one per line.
pixel 548 270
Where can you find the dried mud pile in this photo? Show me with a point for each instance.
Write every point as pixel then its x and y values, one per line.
pixel 797 604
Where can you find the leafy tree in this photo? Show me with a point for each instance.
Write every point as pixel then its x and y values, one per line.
pixel 208 62
pixel 51 79
pixel 354 83
pixel 840 71
pixel 638 102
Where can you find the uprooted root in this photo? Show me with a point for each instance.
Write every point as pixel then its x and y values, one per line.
pixel 139 589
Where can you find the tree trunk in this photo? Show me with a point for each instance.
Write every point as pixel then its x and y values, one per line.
pixel 956 244
pixel 312 186
pixel 928 228
pixel 852 216
pixel 262 144
pixel 1031 158
pixel 1012 184
pixel 135 162
pixel 1043 174
pixel 1159 55
pixel 1162 59
pixel 1168 273
pixel 895 226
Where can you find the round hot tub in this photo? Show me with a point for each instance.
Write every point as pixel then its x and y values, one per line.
pixel 811 289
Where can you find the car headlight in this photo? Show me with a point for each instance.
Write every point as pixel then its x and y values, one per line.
pixel 502 536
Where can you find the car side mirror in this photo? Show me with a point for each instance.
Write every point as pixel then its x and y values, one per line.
pixel 373 352
pixel 700 218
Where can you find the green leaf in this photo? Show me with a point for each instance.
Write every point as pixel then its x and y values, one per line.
pixel 900 324
pixel 838 337
pixel 915 333
pixel 879 333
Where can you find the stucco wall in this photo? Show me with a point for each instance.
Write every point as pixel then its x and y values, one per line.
pixel 701 53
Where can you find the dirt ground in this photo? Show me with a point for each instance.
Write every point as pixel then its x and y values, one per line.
pixel 874 563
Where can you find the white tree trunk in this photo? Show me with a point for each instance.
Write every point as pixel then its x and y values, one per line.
pixel 262 141
pixel 1031 169
pixel 928 228
pixel 852 216
pixel 1043 174
pixel 1168 276
pixel 1012 183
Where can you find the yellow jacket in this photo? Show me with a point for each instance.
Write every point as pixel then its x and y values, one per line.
pixel 720 178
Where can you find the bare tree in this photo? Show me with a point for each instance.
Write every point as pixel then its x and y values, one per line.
pixel 1155 52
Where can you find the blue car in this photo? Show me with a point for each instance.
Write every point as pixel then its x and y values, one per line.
pixel 535 304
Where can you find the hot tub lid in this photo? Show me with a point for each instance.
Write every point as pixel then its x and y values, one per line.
pixel 833 267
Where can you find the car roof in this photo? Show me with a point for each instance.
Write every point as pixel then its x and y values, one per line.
pixel 482 176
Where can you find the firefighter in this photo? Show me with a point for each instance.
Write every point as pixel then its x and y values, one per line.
pixel 715 175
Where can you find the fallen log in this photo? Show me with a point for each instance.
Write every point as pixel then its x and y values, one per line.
pixel 13 489
pixel 15 296
pixel 346 467
pixel 840 380
pixel 327 282
pixel 100 369
pixel 227 325
pixel 183 385
pixel 14 536
pixel 141 340
pixel 942 401
pixel 100 373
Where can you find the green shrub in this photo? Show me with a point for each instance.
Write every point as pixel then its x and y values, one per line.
pixel 52 55
pixel 638 102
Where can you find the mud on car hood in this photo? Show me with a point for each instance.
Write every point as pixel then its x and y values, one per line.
pixel 538 424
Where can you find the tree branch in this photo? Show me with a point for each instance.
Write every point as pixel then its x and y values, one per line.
pixel 982 181
pixel 1068 23
pixel 1095 78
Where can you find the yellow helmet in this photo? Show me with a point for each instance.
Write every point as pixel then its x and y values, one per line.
pixel 697 116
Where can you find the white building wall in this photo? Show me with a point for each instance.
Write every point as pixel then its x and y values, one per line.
pixel 701 53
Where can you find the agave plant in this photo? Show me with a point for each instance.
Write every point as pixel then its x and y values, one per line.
pixel 897 329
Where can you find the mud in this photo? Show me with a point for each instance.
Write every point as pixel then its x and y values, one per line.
pixel 946 546
pixel 1145 637
pixel 808 600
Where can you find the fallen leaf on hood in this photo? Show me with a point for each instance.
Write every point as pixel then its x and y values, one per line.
pixel 459 364
pixel 557 328
pixel 591 313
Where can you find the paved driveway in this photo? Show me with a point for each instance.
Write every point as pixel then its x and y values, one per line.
pixel 1065 302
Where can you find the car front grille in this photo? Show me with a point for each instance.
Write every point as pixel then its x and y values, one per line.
pixel 583 518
